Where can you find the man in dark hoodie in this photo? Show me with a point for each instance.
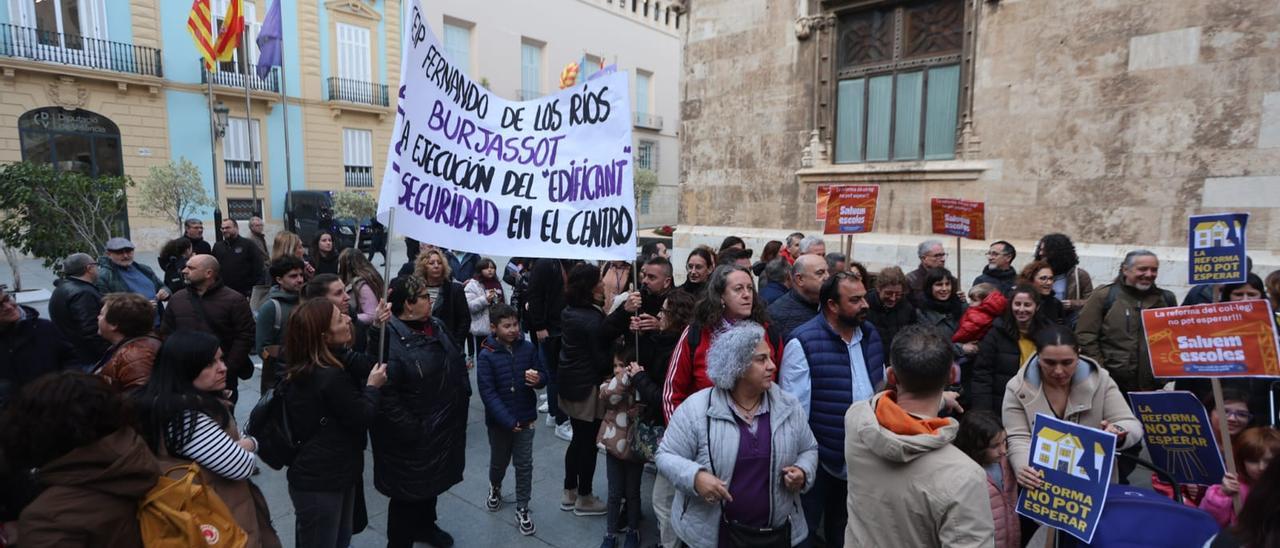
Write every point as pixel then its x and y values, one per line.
pixel 999 270
pixel 286 272
pixel 29 347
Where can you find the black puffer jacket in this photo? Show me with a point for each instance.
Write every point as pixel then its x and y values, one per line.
pixel 74 308
pixel 889 321
pixel 453 311
pixel 790 311
pixel 331 409
pixel 998 360
pixel 420 433
pixel 586 357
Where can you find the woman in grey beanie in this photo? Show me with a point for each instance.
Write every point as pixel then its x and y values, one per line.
pixel 739 453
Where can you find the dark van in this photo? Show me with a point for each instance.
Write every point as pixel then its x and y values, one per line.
pixel 307 212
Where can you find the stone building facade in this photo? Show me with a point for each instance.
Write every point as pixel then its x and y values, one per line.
pixel 1110 121
pixel 116 87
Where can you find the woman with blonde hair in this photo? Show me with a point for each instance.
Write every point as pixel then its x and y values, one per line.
pixel 288 243
pixel 448 300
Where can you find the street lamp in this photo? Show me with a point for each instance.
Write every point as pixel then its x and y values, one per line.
pixel 221 114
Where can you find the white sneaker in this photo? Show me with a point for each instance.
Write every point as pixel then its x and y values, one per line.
pixel 565 431
pixel 542 407
pixel 551 421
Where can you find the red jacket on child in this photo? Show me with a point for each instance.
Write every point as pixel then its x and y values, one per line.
pixel 976 321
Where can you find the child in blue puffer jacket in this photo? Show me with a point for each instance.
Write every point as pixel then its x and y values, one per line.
pixel 508 370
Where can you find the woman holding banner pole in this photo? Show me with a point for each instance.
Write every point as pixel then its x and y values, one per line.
pixel 1059 382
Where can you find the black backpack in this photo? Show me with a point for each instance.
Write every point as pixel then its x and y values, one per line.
pixel 269 425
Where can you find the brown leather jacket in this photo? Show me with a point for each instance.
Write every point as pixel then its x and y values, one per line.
pixel 130 361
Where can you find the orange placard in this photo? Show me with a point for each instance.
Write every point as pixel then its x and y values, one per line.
pixel 1234 339
pixel 851 209
pixel 822 202
pixel 963 218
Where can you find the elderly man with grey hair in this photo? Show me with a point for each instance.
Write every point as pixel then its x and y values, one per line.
pixel 800 304
pixel 813 245
pixel 932 255
pixel 740 451
pixel 74 307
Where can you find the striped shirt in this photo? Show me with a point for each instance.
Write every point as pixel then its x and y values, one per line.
pixel 215 450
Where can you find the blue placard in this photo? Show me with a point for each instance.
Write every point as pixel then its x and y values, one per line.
pixel 1178 435
pixel 1216 244
pixel 1076 461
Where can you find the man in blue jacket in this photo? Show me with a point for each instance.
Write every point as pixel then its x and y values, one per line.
pixel 829 363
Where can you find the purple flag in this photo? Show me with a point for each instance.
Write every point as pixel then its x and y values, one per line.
pixel 269 41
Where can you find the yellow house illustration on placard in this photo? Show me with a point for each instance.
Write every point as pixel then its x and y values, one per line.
pixel 1213 234
pixel 1062 452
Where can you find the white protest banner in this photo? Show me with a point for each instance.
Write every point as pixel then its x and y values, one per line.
pixel 471 171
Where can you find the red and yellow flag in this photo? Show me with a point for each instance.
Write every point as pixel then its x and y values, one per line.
pixel 200 27
pixel 232 28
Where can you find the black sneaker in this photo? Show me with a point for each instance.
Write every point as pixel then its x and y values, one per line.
pixel 437 537
pixel 494 502
pixel 524 522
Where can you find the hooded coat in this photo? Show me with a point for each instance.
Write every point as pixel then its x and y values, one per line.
pixel 1094 397
pixel 914 490
pixel 91 495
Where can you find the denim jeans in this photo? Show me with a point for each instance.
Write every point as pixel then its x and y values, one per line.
pixel 516 448
pixel 624 482
pixel 323 518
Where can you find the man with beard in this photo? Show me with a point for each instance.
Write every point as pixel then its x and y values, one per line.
pixel 193 229
pixel 1110 329
pixel 208 305
pixel 829 363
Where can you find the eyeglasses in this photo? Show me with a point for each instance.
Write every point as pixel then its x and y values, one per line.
pixel 1242 415
pixel 942 255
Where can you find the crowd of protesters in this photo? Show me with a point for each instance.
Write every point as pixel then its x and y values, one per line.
pixel 797 400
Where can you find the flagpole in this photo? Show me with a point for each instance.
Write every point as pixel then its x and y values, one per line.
pixel 213 147
pixel 284 100
pixel 386 286
pixel 248 118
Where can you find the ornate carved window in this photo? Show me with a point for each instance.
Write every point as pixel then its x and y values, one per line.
pixel 898 81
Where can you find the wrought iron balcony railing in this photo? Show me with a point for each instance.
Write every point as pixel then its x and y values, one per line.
pixel 243 172
pixel 236 78
pixel 359 176
pixel 79 51
pixel 355 91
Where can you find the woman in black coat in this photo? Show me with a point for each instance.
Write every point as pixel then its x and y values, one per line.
pixel 888 307
pixel 420 433
pixel 586 360
pixel 1005 348
pixel 330 409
